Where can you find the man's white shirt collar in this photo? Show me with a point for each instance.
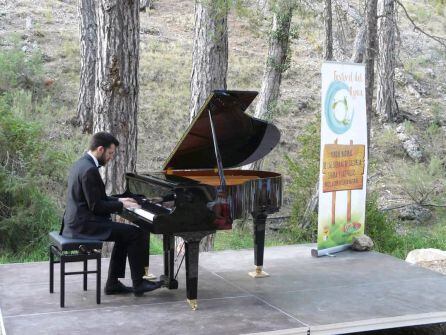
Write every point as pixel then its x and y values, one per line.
pixel 94 158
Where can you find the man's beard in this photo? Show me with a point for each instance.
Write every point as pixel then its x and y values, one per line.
pixel 101 160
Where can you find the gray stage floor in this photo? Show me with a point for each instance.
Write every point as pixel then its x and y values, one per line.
pixel 329 295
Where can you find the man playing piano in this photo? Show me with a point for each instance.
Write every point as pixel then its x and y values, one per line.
pixel 87 215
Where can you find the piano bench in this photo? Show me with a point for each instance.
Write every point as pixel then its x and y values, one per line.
pixel 64 250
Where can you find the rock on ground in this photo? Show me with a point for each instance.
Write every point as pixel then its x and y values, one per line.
pixel 362 243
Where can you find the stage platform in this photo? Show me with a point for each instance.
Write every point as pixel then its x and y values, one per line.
pixel 350 292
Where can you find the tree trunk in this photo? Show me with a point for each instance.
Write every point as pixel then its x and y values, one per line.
pixel 210 53
pixel 386 106
pixel 277 60
pixel 351 11
pixel 116 96
pixel 88 47
pixel 209 62
pixel 328 22
pixel 358 19
pixel 276 64
pixel 370 52
pixel 359 45
pixel 145 4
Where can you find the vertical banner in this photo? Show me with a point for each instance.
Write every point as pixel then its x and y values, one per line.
pixel 343 159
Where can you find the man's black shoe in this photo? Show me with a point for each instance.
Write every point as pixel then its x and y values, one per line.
pixel 117 288
pixel 145 286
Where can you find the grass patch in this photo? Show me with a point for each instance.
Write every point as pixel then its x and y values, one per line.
pixel 156 244
pixel 388 143
pixel 419 13
pixel 383 231
pixel 416 66
pixel 242 238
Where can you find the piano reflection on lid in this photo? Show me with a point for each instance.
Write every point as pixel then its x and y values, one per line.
pixel 199 190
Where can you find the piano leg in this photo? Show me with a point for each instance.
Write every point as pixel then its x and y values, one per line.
pixel 169 262
pixel 192 255
pixel 192 247
pixel 259 245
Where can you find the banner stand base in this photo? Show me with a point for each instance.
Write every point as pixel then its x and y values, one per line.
pixel 329 251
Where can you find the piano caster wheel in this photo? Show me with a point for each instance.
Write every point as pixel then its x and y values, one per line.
pixel 258 273
pixel 173 285
pixel 193 304
pixel 170 284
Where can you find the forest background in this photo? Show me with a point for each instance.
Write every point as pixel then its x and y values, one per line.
pixel 40 136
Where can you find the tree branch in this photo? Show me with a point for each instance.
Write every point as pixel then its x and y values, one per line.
pixel 440 40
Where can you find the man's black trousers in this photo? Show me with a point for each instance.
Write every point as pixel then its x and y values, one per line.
pixel 130 241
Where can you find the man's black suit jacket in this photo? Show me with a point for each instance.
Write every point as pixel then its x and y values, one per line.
pixel 88 208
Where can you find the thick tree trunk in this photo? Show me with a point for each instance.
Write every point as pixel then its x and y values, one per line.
pixel 328 22
pixel 116 96
pixel 88 47
pixel 386 106
pixel 210 53
pixel 276 62
pixel 209 62
pixel 370 52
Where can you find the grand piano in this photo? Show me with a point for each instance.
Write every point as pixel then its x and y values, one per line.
pixel 199 190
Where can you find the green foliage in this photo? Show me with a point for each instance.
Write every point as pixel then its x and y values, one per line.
pixel 242 238
pixel 29 163
pixel 380 228
pixel 156 245
pixel 26 213
pixel 383 231
pixel 19 70
pixel 70 48
pixel 420 13
pixel 434 143
pixel 304 174
pixel 437 111
pixel 416 65
pixel 236 239
pixel 439 6
pixel 423 183
pixel 388 143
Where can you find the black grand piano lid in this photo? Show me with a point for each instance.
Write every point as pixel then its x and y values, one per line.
pixel 241 138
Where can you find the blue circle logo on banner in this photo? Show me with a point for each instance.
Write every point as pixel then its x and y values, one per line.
pixel 338 107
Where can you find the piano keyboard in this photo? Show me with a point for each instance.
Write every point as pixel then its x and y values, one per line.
pixel 141 212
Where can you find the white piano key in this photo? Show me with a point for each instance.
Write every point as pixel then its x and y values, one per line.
pixel 141 212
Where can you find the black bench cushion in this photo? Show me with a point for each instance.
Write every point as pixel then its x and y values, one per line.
pixel 66 244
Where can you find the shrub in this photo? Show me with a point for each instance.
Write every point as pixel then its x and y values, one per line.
pixel 422 183
pixel 380 227
pixel 30 165
pixel 19 70
pixel 304 173
pixel 26 212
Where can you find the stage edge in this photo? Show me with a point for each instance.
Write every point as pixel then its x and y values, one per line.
pixel 364 325
pixel 2 324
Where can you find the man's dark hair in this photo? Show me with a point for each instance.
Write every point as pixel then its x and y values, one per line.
pixel 102 139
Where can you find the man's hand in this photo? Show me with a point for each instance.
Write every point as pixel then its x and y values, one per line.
pixel 129 203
